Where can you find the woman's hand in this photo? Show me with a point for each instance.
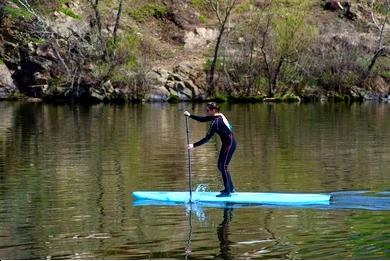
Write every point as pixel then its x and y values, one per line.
pixel 190 146
pixel 186 113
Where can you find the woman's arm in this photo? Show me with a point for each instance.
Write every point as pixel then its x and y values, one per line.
pixel 199 118
pixel 208 136
pixel 202 118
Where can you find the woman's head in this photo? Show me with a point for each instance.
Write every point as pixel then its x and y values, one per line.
pixel 212 108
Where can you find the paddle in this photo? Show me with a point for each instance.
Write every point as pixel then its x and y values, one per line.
pixel 189 160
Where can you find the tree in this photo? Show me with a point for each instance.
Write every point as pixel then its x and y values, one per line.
pixel 75 50
pixel 274 34
pixel 283 36
pixel 380 23
pixel 223 10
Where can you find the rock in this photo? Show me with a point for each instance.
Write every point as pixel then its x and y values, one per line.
pixel 183 97
pixel 164 73
pixel 173 92
pixel 107 88
pixel 200 37
pixel 170 85
pixel 183 69
pixel 66 26
pixel 47 52
pixel 181 88
pixel 8 86
pixel 37 91
pixel 158 77
pixel 159 94
pixel 41 78
pixel 175 77
pixel 96 94
pixel 194 89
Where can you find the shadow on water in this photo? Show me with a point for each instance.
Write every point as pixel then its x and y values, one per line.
pixel 365 200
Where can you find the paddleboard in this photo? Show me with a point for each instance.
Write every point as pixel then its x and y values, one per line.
pixel 236 198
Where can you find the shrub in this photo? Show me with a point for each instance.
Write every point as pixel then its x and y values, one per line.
pixel 142 13
pixel 69 13
pixel 173 98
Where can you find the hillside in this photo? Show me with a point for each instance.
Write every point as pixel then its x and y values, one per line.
pixel 159 50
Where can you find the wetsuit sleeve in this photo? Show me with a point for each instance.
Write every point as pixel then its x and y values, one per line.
pixel 209 134
pixel 202 118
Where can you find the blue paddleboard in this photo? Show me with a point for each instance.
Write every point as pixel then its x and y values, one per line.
pixel 237 198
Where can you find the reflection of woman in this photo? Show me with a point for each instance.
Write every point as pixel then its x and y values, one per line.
pixel 223 232
pixel 220 125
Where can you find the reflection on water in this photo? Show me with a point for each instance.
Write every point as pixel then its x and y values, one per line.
pixel 223 234
pixel 67 171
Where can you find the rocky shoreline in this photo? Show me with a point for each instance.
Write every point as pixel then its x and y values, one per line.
pixel 183 83
pixel 32 68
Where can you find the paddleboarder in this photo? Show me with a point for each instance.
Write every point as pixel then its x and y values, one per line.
pixel 221 126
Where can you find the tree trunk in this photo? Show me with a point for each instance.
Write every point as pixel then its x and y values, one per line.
pixel 118 17
pixel 211 81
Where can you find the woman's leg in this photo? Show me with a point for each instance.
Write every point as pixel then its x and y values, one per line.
pixel 223 163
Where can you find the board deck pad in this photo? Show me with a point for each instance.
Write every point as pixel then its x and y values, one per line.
pixel 237 198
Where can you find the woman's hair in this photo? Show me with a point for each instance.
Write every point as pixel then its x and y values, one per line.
pixel 213 106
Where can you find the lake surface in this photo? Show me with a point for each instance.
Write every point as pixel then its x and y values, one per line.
pixel 67 173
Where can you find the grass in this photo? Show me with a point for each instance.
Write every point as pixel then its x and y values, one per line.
pixel 144 12
pixel 17 12
pixel 69 13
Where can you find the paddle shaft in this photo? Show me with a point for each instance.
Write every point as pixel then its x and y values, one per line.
pixel 189 160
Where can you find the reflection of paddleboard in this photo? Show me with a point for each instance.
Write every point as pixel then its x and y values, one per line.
pixel 237 198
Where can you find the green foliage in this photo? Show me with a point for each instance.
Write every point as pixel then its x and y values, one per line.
pixel 64 2
pixel 386 74
pixel 221 97
pixel 125 54
pixel 173 98
pixel 292 32
pixel 124 51
pixel 218 65
pixel 17 12
pixel 261 81
pixel 1 61
pixel 38 41
pixel 290 98
pixel 199 4
pixel 202 19
pixel 202 7
pixel 382 8
pixel 69 13
pixel 142 13
pixel 351 78
pixel 53 83
pixel 244 7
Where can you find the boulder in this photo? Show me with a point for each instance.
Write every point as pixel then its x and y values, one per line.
pixel 96 95
pixel 8 86
pixel 159 94
pixel 200 37
pixel 182 90
pixel 194 89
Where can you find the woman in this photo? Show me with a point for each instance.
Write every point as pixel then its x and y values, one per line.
pixel 220 125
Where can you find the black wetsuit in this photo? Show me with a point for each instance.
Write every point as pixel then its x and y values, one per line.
pixel 227 149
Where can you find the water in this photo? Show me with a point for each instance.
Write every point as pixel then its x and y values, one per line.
pixel 67 173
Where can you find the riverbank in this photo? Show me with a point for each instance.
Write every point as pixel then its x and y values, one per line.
pixel 71 51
